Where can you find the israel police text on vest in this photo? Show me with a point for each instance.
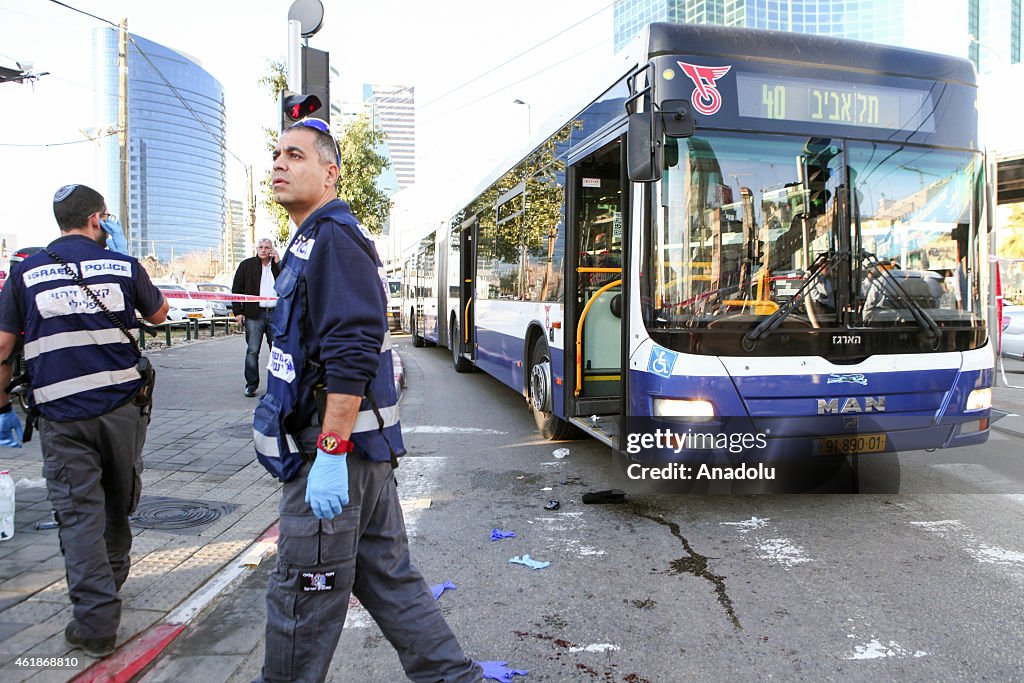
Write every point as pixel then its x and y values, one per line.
pixel 80 364
pixel 295 366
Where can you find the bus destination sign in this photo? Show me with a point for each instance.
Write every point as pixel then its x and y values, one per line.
pixel 823 101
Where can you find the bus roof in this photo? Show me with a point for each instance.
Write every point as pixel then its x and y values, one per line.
pixel 803 48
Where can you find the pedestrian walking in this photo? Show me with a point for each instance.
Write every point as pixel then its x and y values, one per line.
pixel 75 303
pixel 328 427
pixel 256 276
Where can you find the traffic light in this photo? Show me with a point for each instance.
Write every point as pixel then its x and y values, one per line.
pixel 815 173
pixel 295 107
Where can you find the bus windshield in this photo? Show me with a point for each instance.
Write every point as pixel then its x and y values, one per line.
pixel 838 233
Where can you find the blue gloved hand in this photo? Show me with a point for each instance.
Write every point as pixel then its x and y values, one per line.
pixel 327 485
pixel 116 241
pixel 497 671
pixel 10 430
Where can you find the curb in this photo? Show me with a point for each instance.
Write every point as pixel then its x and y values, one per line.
pixel 135 655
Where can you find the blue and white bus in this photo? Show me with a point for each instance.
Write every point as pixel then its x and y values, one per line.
pixel 741 232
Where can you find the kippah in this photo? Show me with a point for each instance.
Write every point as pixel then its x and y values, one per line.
pixel 63 193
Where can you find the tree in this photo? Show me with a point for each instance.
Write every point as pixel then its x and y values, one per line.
pixel 361 165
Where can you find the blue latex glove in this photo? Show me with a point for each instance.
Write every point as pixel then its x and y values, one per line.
pixel 10 430
pixel 116 241
pixel 529 562
pixel 498 534
pixel 497 671
pixel 441 588
pixel 327 485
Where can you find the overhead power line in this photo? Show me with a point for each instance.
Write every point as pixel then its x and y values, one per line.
pixel 58 144
pixel 557 34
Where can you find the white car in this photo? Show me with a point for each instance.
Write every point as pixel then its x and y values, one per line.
pixel 221 309
pixel 182 306
pixel 1013 332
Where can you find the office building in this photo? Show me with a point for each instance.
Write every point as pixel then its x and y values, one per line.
pixel 988 32
pixel 177 183
pixel 392 108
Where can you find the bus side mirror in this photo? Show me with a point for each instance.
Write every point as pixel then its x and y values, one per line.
pixel 677 119
pixel 644 151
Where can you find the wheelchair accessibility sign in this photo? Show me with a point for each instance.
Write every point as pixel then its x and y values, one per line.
pixel 661 362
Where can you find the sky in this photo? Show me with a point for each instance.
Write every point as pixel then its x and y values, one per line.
pixel 437 47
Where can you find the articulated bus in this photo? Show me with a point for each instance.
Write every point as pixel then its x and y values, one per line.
pixel 742 234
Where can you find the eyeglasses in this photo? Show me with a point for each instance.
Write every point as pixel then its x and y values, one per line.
pixel 319 125
pixel 107 216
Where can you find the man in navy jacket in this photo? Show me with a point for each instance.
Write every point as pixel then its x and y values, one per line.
pixel 328 427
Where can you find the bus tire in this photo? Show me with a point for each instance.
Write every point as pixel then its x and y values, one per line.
pixel 417 340
pixel 459 362
pixel 550 426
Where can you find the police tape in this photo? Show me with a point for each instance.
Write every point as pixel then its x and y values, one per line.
pixel 203 296
pixel 213 296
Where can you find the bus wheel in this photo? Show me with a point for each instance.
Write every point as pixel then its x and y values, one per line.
pixel 549 425
pixel 458 361
pixel 417 340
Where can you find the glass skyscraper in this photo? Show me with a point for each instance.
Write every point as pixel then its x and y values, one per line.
pixel 988 32
pixel 177 185
pixel 393 110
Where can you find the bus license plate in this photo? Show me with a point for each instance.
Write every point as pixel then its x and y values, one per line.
pixel 852 443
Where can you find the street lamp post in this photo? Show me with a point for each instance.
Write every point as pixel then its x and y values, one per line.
pixel 529 115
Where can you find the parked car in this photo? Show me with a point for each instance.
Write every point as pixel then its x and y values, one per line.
pixel 220 308
pixel 1013 332
pixel 181 305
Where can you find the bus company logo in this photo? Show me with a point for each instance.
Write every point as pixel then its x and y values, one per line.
pixel 851 404
pixel 662 361
pixel 848 378
pixel 708 100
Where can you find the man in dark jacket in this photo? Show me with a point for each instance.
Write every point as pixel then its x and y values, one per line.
pixel 330 416
pixel 256 276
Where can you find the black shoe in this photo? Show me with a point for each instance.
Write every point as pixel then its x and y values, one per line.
pixel 94 647
pixel 249 393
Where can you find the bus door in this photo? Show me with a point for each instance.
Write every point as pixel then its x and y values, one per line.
pixel 595 345
pixel 464 344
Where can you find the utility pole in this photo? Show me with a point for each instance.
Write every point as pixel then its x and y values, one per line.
pixel 250 201
pixel 122 129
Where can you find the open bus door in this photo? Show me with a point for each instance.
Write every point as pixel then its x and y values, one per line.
pixel 462 336
pixel 598 304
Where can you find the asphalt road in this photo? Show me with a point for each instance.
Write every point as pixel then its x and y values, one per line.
pixel 922 584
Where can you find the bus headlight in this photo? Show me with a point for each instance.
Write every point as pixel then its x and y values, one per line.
pixel 980 399
pixel 693 409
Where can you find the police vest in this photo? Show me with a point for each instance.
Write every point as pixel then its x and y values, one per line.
pixel 289 403
pixel 80 365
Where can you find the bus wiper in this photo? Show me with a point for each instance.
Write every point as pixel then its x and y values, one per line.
pixel 820 265
pixel 930 328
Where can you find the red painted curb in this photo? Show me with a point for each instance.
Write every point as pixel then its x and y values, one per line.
pixel 133 657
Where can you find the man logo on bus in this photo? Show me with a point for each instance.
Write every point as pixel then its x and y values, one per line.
pixel 708 100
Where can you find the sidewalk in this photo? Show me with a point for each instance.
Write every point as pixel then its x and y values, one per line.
pixel 201 484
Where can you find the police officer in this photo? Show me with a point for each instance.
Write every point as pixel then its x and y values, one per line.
pixel 328 426
pixel 85 381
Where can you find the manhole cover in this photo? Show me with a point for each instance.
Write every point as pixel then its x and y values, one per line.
pixel 175 514
pixel 239 431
